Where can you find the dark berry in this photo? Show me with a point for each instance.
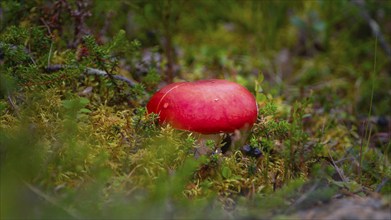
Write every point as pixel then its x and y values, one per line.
pixel 246 148
pixel 257 152
pixel 382 121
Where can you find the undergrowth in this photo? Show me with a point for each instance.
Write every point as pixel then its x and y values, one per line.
pixel 78 143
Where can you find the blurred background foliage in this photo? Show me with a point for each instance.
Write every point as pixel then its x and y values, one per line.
pixel 78 144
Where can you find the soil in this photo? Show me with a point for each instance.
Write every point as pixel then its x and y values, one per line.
pixel 349 208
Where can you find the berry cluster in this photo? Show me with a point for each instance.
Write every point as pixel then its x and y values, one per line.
pixel 251 151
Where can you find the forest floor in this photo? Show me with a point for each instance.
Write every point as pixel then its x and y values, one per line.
pixel 76 140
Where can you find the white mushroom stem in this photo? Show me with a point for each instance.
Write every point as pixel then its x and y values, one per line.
pixel 202 148
pixel 238 138
pixel 203 138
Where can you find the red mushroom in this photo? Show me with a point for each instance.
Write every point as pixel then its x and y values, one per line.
pixel 206 106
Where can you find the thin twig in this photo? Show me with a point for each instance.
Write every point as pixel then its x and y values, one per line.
pixel 88 70
pixel 52 201
pixel 382 184
pixel 343 178
pixel 47 26
pixel 344 159
pixel 302 198
pixel 373 25
pixel 12 103
pixel 92 71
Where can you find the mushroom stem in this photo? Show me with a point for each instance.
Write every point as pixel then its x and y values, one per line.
pixel 203 138
pixel 202 147
pixel 222 142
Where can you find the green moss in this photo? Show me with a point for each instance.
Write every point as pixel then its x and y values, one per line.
pixel 75 145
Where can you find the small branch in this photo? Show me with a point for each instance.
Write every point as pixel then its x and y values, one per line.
pixel 52 201
pixel 343 178
pixel 88 70
pixel 301 199
pixel 92 71
pixel 12 103
pixel 373 25
pixel 382 184
pixel 47 26
pixel 106 25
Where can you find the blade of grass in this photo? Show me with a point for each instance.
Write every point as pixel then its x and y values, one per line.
pixel 369 115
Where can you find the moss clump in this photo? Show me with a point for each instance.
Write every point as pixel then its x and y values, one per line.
pixel 76 140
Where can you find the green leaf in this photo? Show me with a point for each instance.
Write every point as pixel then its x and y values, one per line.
pixel 226 172
pixel 261 97
pixel 84 110
pixel 84 101
pixel 67 104
pixel 260 78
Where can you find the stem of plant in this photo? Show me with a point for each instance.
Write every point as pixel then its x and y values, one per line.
pixel 369 114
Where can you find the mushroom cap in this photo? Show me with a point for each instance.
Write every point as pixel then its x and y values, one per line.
pixel 205 106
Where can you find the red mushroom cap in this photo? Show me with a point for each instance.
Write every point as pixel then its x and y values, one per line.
pixel 206 106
